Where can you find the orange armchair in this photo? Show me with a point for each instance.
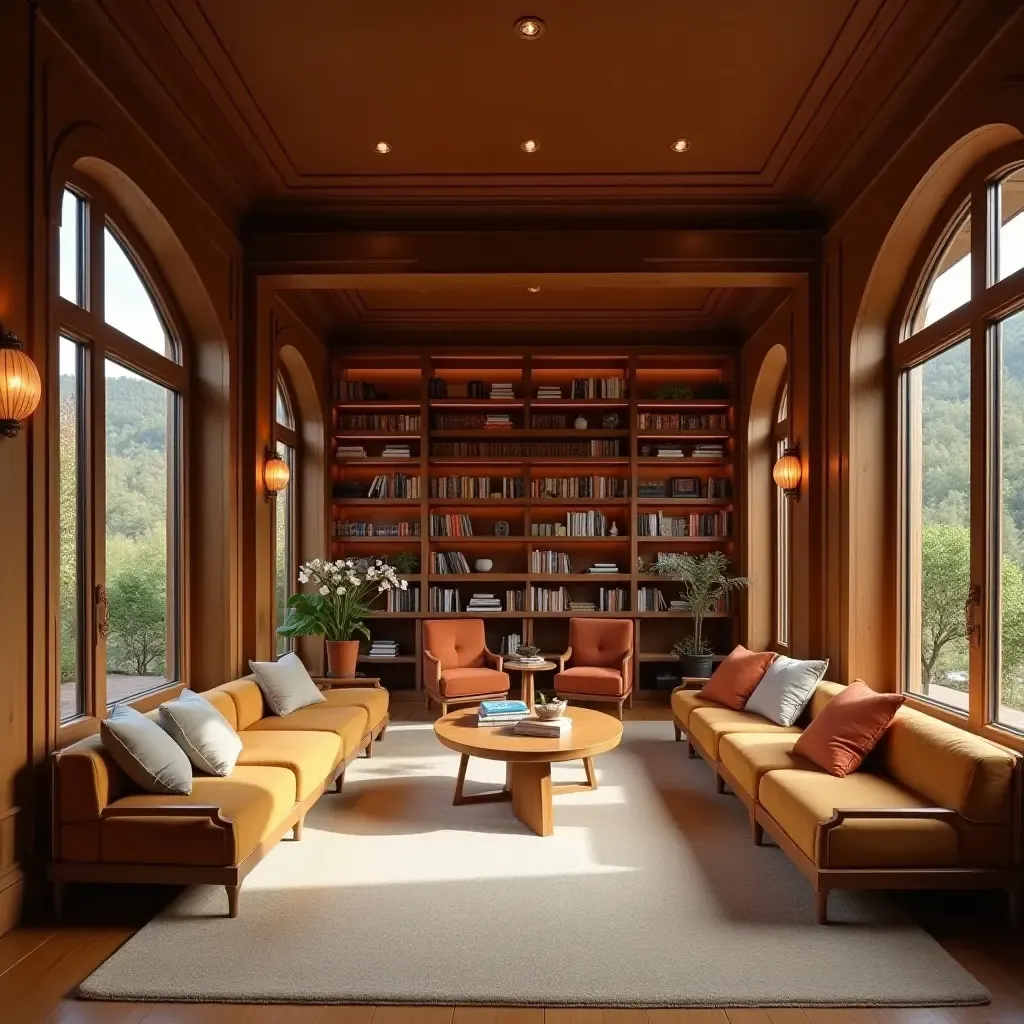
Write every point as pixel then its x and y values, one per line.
pixel 457 666
pixel 602 654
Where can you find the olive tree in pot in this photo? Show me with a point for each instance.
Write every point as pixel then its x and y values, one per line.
pixel 705 580
pixel 337 606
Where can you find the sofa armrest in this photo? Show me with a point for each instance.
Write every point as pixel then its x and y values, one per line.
pixel 495 661
pixel 170 811
pixel 563 658
pixel 842 814
pixel 627 680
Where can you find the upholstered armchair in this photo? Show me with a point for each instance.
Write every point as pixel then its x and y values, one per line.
pixel 601 651
pixel 457 666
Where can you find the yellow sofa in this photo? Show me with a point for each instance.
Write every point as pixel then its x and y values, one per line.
pixel 933 806
pixel 106 830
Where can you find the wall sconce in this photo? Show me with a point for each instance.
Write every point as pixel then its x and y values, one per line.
pixel 275 474
pixel 788 471
pixel 20 389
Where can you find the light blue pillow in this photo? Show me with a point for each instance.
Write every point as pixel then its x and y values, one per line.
pixel 202 732
pixel 286 684
pixel 785 689
pixel 145 753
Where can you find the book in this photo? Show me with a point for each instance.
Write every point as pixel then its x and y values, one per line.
pixel 551 727
pixel 491 723
pixel 501 707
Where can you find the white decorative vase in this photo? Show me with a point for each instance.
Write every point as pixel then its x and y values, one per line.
pixel 581 423
pixel 614 531
pixel 483 565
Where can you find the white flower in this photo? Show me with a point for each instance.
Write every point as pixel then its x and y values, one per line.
pixel 370 573
pixel 340 590
pixel 378 562
pixel 405 584
pixel 303 578
pixel 348 564
pixel 325 591
pixel 384 586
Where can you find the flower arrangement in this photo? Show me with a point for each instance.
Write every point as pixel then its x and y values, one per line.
pixel 340 602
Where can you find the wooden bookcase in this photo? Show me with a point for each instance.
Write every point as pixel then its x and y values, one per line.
pixel 437 405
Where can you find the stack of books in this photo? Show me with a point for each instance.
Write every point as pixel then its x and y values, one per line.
pixel 396 451
pixel 549 392
pixel 678 605
pixel 350 451
pixel 503 391
pixel 708 450
pixel 501 712
pixel 543 727
pixel 603 569
pixel 582 606
pixel 520 659
pixel 384 649
pixel 673 451
pixel 498 420
pixel 484 603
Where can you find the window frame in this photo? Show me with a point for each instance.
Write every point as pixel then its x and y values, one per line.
pixel 782 520
pixel 976 321
pixel 85 324
pixel 288 435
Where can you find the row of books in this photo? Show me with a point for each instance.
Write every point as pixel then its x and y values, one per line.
pixel 396 423
pixel 404 600
pixel 579 487
pixel 471 421
pixel 650 599
pixel 525 449
pixel 681 421
pixel 394 485
pixel 549 421
pixel 449 563
pixel 558 599
pixel 686 487
pixel 577 524
pixel 438 387
pixel 477 487
pixel 682 451
pixel 451 526
pixel 449 599
pixel 599 387
pixel 696 524
pixel 552 562
pixel 350 529
pixel 355 391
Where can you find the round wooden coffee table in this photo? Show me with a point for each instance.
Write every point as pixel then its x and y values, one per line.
pixel 528 759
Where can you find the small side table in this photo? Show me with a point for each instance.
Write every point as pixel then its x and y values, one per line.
pixel 527 671
pixel 332 682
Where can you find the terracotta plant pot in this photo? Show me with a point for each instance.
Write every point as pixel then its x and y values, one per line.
pixel 341 657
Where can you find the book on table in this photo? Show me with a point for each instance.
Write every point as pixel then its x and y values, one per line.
pixel 489 708
pixel 543 727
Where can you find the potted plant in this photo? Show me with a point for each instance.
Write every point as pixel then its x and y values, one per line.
pixel 550 708
pixel 705 579
pixel 337 606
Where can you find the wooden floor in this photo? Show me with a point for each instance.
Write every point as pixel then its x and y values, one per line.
pixel 40 965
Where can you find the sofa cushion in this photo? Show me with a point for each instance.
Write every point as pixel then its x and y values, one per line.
pixel 309 756
pixel 145 753
pixel 255 798
pixel 600 681
pixel 802 801
pixel 848 728
pixel 209 741
pixel 708 725
pixel 749 756
pixel 351 724
pixel 248 700
pixel 467 682
pixel 374 700
pixel 286 684
pixel 950 766
pixel 600 642
pixel 684 702
pixel 820 699
pixel 221 700
pixel 785 689
pixel 736 678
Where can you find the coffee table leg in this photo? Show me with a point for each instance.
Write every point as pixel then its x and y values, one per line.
pixel 461 780
pixel 588 764
pixel 531 796
pixel 477 798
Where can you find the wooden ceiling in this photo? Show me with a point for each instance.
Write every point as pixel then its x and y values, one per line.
pixel 291 97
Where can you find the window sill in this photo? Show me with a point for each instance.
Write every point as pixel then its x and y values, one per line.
pixel 994 733
pixel 88 725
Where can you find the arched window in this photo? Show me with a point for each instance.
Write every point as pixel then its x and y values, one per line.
pixel 959 365
pixel 781 525
pixel 122 390
pixel 285 520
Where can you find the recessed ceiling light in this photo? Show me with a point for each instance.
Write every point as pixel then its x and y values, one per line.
pixel 382 148
pixel 529 146
pixel 533 288
pixel 529 28
pixel 680 145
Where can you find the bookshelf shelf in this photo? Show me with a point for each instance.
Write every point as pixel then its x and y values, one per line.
pixel 436 388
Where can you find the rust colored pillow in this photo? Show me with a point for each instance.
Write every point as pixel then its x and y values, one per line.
pixel 848 728
pixel 736 678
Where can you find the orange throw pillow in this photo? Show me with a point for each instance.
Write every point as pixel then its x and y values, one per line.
pixel 848 728
pixel 736 678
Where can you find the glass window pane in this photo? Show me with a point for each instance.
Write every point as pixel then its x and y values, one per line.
pixel 72 284
pixel 938 527
pixel 284 409
pixel 69 565
pixel 127 304
pixel 782 532
pixel 1010 246
pixel 1009 709
pixel 949 282
pixel 142 533
pixel 284 544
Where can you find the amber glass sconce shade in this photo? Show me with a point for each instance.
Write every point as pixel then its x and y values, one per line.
pixel 20 389
pixel 788 472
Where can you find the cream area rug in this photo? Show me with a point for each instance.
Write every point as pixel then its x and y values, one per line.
pixel 650 893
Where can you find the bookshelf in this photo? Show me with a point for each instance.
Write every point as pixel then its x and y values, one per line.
pixel 561 468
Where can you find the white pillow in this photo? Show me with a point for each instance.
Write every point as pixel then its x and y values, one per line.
pixel 286 684
pixel 145 753
pixel 785 689
pixel 202 732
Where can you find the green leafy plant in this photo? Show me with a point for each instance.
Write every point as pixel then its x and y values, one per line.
pixel 705 580
pixel 341 601
pixel 403 562
pixel 524 651
pixel 544 700
pixel 674 392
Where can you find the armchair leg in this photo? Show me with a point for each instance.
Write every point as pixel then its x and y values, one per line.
pixel 618 709
pixel 297 829
pixel 679 732
pixel 629 702
pixel 232 891
pixel 821 906
pixel 444 709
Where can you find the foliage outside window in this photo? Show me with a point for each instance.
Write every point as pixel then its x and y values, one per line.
pixel 285 523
